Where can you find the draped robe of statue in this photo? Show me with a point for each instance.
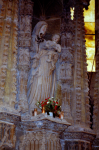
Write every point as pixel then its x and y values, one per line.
pixel 41 81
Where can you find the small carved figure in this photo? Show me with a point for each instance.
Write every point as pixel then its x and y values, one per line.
pixel 53 46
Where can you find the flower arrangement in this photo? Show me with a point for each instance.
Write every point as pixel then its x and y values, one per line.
pixel 51 105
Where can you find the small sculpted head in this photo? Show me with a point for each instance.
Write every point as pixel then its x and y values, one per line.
pixel 56 38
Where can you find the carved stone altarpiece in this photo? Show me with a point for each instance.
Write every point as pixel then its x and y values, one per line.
pixel 33 67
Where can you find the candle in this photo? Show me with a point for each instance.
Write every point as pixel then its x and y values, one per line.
pixel 35 111
pixel 62 115
pixel 43 110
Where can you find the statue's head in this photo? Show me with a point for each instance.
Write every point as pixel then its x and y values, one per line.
pixel 43 29
pixel 56 38
pixel 40 28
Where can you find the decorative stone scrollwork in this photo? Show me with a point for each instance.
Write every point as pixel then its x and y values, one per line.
pixel 66 60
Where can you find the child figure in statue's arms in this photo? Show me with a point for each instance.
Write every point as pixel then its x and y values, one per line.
pixel 53 46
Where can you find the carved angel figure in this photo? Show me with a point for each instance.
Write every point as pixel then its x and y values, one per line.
pixel 41 81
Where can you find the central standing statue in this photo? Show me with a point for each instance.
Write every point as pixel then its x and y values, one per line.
pixel 42 77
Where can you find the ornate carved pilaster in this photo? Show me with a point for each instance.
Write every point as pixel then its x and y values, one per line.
pixel 81 106
pixel 8 51
pixel 25 29
pixel 66 62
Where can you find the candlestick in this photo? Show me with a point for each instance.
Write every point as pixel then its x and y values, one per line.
pixel 62 115
pixel 35 111
pixel 43 110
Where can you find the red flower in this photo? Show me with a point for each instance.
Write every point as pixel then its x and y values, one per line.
pixel 45 103
pixel 55 107
pixel 56 102
pixel 42 105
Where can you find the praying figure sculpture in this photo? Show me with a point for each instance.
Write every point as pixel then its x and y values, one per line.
pixel 42 76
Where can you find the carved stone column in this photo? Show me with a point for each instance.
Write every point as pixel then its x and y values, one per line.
pixel 80 111
pixel 79 135
pixel 25 29
pixel 66 63
pixel 8 52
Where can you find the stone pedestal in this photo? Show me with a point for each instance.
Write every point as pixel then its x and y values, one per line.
pixel 40 132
